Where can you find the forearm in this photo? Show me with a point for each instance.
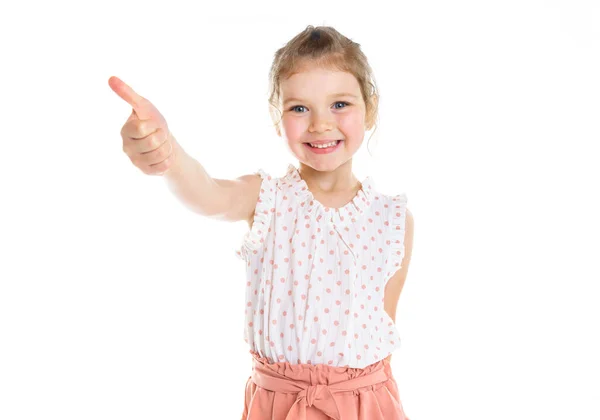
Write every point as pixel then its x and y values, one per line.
pixel 187 179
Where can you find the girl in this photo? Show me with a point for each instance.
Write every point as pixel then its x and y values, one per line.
pixel 326 256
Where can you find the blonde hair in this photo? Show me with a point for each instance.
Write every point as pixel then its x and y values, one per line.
pixel 325 47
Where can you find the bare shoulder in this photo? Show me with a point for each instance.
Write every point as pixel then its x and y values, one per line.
pixel 243 194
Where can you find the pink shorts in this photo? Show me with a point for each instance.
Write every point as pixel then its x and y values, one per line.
pixel 285 391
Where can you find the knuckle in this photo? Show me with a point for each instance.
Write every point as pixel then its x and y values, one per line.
pixel 137 130
pixel 156 169
pixel 149 144
pixel 154 141
pixel 140 125
pixel 158 155
pixel 162 167
pixel 164 150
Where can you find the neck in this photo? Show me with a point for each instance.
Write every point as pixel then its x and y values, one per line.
pixel 338 180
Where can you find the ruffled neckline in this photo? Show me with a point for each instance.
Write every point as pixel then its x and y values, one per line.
pixel 341 216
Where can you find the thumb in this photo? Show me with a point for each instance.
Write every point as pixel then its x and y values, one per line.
pixel 142 107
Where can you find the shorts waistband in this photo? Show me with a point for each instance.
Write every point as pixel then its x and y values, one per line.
pixel 315 384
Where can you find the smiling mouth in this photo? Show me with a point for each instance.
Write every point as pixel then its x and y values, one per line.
pixel 336 143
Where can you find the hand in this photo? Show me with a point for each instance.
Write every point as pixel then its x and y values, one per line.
pixel 146 137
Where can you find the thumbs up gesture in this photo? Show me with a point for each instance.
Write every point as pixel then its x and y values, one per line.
pixel 146 137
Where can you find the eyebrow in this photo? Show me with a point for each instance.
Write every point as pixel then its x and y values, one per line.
pixel 331 96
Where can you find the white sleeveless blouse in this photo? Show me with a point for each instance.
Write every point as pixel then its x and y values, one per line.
pixel 316 275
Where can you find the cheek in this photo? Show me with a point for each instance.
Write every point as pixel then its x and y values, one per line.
pixel 294 128
pixel 352 122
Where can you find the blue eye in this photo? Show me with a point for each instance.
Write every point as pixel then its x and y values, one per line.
pixel 302 106
pixel 296 106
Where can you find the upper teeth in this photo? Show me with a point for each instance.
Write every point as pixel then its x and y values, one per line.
pixel 321 146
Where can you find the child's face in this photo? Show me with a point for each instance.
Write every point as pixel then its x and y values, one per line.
pixel 312 111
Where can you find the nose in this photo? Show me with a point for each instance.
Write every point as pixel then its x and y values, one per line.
pixel 322 121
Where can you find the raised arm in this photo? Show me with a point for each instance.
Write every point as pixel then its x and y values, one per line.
pixel 222 199
pixel 152 148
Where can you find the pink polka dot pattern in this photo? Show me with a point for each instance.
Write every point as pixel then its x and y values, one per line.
pixel 316 275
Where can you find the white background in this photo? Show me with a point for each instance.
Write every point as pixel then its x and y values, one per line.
pixel 117 302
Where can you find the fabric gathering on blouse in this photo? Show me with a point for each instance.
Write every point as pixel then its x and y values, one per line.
pixel 316 275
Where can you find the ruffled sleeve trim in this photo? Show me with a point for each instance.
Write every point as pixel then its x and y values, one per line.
pixel 255 237
pixel 397 230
